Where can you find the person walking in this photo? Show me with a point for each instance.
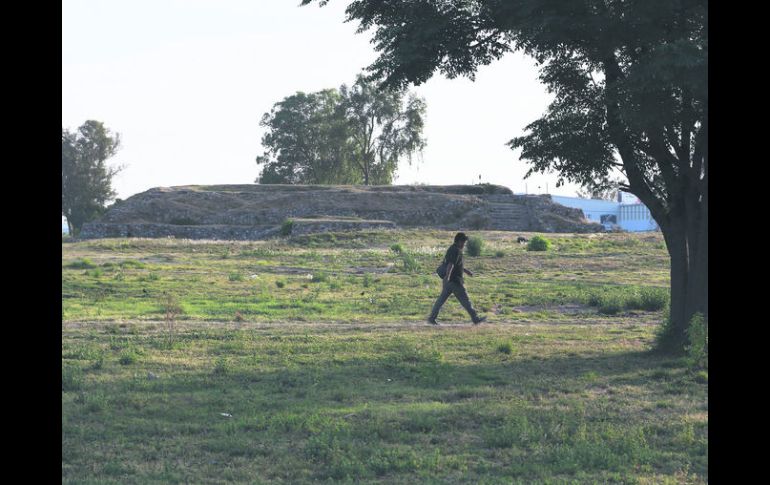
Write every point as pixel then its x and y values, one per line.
pixel 453 281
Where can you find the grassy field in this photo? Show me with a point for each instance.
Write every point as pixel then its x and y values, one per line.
pixel 308 360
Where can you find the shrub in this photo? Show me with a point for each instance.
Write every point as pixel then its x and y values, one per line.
pixel 280 284
pixel 287 227
pixel 538 243
pixel 505 348
pixel 499 254
pixel 410 263
pixel 71 378
pixel 475 246
pixel 698 334
pixel 83 263
pixel 319 277
pixel 653 299
pixel 611 304
pixel 128 357
pixel 235 277
pixel 397 248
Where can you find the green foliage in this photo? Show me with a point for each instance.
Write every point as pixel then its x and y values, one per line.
pixel 280 284
pixel 505 347
pixel 235 277
pixel 320 277
pixel 499 254
pixel 409 262
pixel 698 334
pixel 287 227
pixel 81 263
pixel 86 178
pixel 128 357
pixel 538 243
pixel 353 135
pixel 397 248
pixel 71 378
pixel 475 246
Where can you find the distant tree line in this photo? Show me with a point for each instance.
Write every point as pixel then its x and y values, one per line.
pixel 351 135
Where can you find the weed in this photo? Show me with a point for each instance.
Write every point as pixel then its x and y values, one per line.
pixel 505 347
pixel 235 277
pixel 475 246
pixel 538 243
pixel 397 248
pixel 287 227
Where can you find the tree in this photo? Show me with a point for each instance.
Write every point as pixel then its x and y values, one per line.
pixel 306 141
pixel 348 136
pixel 382 128
pixel 631 93
pixel 607 190
pixel 86 180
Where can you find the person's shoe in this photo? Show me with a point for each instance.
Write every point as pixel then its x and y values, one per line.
pixel 480 320
pixel 432 321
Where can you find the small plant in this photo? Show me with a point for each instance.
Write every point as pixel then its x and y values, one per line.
pixel 499 254
pixel 410 263
pixel 319 277
pixel 71 378
pixel 653 299
pixel 83 263
pixel 538 243
pixel 475 246
pixel 238 317
pixel 95 273
pixel 280 284
pixel 505 348
pixel 235 277
pixel 610 304
pixel 397 248
pixel 287 227
pixel 367 280
pixel 698 333
pixel 127 357
pixel 171 310
pixel 221 367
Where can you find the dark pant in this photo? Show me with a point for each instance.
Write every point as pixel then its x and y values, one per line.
pixel 459 291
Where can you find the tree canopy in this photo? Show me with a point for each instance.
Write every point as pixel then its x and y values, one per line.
pixel 631 94
pixel 86 180
pixel 353 135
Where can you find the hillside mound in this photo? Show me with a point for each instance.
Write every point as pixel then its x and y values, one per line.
pixel 260 211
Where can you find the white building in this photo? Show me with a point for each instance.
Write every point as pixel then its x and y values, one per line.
pixel 628 212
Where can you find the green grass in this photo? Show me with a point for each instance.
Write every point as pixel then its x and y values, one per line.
pixel 340 380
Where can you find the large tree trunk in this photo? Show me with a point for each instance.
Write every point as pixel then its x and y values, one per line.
pixel 687 244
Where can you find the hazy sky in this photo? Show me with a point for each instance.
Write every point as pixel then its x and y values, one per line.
pixel 186 82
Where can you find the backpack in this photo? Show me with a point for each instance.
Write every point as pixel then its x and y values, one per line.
pixel 441 270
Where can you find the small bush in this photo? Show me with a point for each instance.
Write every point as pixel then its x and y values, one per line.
pixel 610 304
pixel 222 367
pixel 128 357
pixel 397 248
pixel 319 277
pixel 280 284
pixel 499 254
pixel 83 263
pixel 235 277
pixel 538 243
pixel 653 299
pixel 698 333
pixel 475 246
pixel 71 378
pixel 287 227
pixel 410 263
pixel 505 348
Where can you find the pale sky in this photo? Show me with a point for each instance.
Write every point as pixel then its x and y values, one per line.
pixel 186 82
